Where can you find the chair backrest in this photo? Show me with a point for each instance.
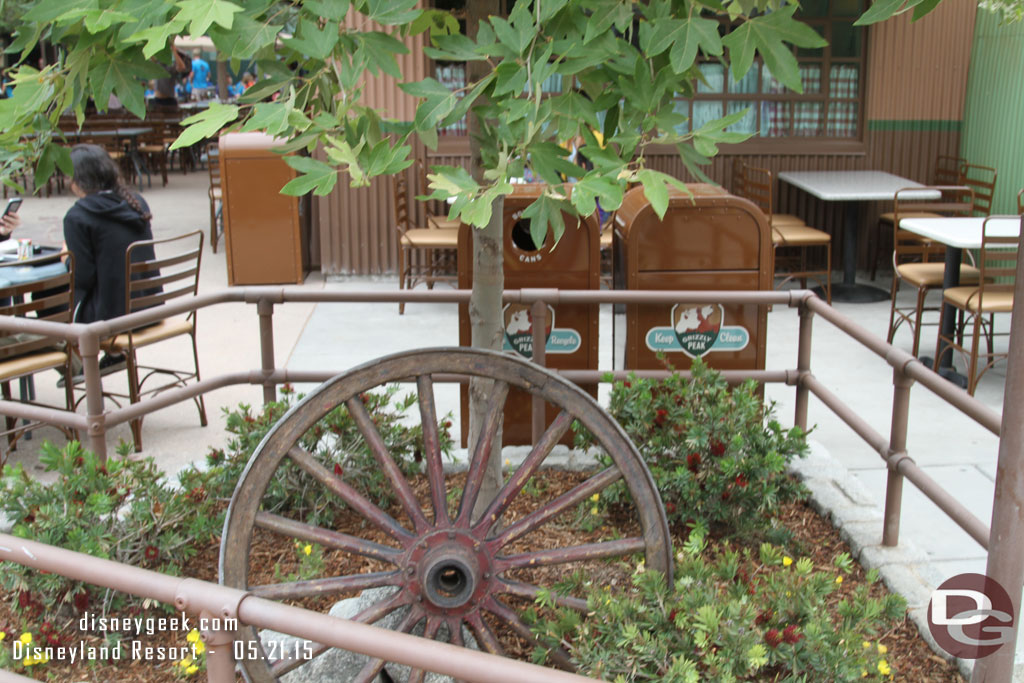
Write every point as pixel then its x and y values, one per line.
pixel 400 191
pixel 982 179
pixel 998 261
pixel 51 297
pixel 213 163
pixel 173 274
pixel 739 178
pixel 758 186
pixel 947 170
pixel 953 200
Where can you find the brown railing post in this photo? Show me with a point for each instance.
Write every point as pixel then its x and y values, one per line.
pixel 897 451
pixel 220 659
pixel 1007 535
pixel 265 310
pixel 539 313
pixel 89 350
pixel 803 365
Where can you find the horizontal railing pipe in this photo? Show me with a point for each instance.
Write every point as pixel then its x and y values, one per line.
pixel 730 376
pixel 963 517
pixel 878 442
pixel 36 413
pixel 198 597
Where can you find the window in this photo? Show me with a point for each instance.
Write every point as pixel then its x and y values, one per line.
pixel 831 105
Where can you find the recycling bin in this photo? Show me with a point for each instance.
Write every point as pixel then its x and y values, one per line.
pixel 571 331
pixel 264 231
pixel 712 241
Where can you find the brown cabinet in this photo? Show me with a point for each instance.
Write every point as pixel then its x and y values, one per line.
pixel 264 230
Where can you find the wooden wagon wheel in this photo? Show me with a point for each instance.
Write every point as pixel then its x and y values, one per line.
pixel 450 570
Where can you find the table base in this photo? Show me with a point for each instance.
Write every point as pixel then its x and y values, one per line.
pixel 854 294
pixel 947 373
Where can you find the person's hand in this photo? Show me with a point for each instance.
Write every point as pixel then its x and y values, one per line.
pixel 9 223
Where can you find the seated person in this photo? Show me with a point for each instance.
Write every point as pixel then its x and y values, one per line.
pixel 98 229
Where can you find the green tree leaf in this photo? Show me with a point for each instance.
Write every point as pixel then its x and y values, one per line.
pixel 201 14
pixel 655 190
pixel 313 41
pixel 382 49
pixel 205 124
pixel 157 38
pixel 456 48
pixel 316 176
pixel 333 10
pixel 392 12
pixel 769 34
pixel 544 212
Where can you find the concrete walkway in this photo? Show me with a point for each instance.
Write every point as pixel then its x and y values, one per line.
pixel 844 473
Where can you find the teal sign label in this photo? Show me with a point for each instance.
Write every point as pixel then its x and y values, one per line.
pixel 697 330
pixel 519 332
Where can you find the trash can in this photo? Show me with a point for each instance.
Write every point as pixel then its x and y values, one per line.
pixel 571 330
pixel 714 241
pixel 264 231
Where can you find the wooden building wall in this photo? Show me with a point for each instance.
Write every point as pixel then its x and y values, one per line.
pixel 916 82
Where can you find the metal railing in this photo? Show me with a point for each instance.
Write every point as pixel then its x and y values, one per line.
pixel 906 370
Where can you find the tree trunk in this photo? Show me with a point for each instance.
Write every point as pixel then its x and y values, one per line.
pixel 488 275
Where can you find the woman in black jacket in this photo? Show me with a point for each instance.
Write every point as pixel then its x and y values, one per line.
pixel 97 230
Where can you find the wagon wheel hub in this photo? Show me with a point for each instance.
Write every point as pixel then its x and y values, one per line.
pixel 448 572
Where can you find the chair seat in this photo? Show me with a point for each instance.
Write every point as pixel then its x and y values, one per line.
pixel 890 216
pixel 786 219
pixel 930 274
pixel 152 149
pixel 967 299
pixel 605 241
pixel 24 365
pixel 165 329
pixel 798 235
pixel 443 223
pixel 215 193
pixel 431 238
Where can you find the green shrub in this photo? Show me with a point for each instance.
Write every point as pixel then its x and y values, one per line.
pixel 732 616
pixel 717 455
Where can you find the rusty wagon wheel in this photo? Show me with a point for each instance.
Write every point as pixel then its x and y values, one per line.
pixel 448 568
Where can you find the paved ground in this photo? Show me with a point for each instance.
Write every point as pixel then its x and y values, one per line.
pixel 950 447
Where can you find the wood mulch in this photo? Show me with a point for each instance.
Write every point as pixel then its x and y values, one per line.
pixel 273 556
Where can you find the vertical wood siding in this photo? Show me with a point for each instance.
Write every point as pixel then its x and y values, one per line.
pixel 993 133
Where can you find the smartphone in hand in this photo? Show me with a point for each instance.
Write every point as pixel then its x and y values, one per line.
pixel 13 204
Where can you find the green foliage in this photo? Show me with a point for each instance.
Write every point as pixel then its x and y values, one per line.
pixel 717 455
pixel 731 616
pixel 124 511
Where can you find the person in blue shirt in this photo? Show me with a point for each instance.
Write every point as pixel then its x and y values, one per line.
pixel 200 71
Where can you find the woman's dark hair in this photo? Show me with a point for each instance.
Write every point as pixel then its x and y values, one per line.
pixel 95 171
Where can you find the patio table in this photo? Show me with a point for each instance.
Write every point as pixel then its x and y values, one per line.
pixel 131 134
pixel 852 188
pixel 957 233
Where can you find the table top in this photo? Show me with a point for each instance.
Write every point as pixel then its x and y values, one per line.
pixel 838 186
pixel 111 132
pixel 961 232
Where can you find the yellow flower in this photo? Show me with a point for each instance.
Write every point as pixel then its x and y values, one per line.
pixel 185 662
pixel 2 635
pixel 191 670
pixel 863 673
pixel 308 549
pixel 882 649
pixel 839 579
pixel 507 462
pixel 595 497
pixel 787 560
pixel 199 647
pixel 883 667
pixel 192 636
pixel 593 510
pixel 27 661
pixel 866 644
pixel 26 638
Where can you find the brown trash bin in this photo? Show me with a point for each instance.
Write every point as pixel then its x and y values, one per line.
pixel 715 241
pixel 264 231
pixel 572 330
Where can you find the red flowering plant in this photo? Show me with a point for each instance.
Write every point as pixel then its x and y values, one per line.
pixel 716 452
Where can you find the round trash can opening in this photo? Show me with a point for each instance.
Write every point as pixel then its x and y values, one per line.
pixel 521 236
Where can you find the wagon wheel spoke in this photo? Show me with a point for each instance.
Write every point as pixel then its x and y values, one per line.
pixel 432 448
pixel 326 537
pixel 382 608
pixel 349 495
pixel 566 501
pixel 401 487
pixel 507 615
pixel 482 453
pixel 375 664
pixel 455 632
pixel 576 553
pixel 551 436
pixel 484 635
pixel 280 667
pixel 531 592
pixel 429 632
pixel 328 586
